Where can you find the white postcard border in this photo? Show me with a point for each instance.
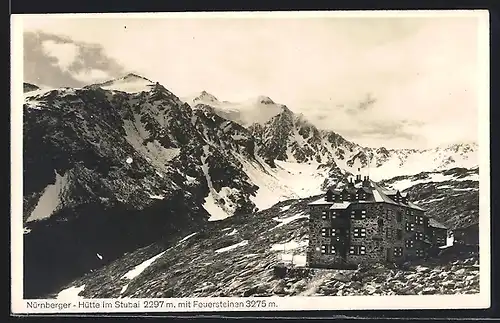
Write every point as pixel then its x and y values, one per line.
pixel 481 300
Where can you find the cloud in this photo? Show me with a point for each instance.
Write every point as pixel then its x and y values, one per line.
pixel 58 61
pixel 65 53
pixel 90 76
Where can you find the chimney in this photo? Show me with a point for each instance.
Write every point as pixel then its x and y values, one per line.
pixel 366 181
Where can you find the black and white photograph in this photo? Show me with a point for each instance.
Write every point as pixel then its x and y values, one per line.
pixel 250 161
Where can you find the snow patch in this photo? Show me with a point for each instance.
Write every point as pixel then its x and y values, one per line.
pixel 432 200
pixel 281 183
pixel 129 85
pixel 433 178
pixel 187 237
pixel 407 162
pixel 124 288
pixel 449 242
pixel 213 202
pixel 473 177
pixel 285 221
pixel 284 208
pixel 232 232
pixel 35 104
pixel 70 293
pixel 191 180
pixel 51 198
pixel 137 270
pixel 152 151
pixel 214 209
pixel 297 260
pixel 251 255
pixel 160 153
pixel 289 245
pixel 156 197
pixel 234 246
pixel 466 189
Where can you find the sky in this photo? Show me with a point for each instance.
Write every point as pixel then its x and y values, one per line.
pixel 397 82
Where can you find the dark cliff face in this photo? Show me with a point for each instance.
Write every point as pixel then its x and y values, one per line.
pixel 275 136
pixel 290 136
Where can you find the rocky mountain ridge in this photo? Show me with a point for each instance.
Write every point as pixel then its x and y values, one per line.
pixel 96 159
pixel 284 135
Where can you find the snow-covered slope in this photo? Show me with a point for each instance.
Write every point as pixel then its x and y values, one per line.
pixel 282 182
pixel 130 83
pixel 451 195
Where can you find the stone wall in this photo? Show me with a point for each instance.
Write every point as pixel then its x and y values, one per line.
pixel 467 236
pixel 314 257
pixel 380 225
pixel 373 241
pixel 439 234
pixel 417 249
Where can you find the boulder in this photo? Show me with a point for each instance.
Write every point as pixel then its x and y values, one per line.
pixel 299 272
pixel 422 269
pixel 355 285
pixel 328 290
pixel 341 277
pixel 428 291
pixel 280 271
pixel 257 289
pixel 408 290
pixel 298 286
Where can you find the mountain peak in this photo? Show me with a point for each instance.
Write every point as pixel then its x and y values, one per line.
pixel 262 99
pixel 206 97
pixel 133 76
